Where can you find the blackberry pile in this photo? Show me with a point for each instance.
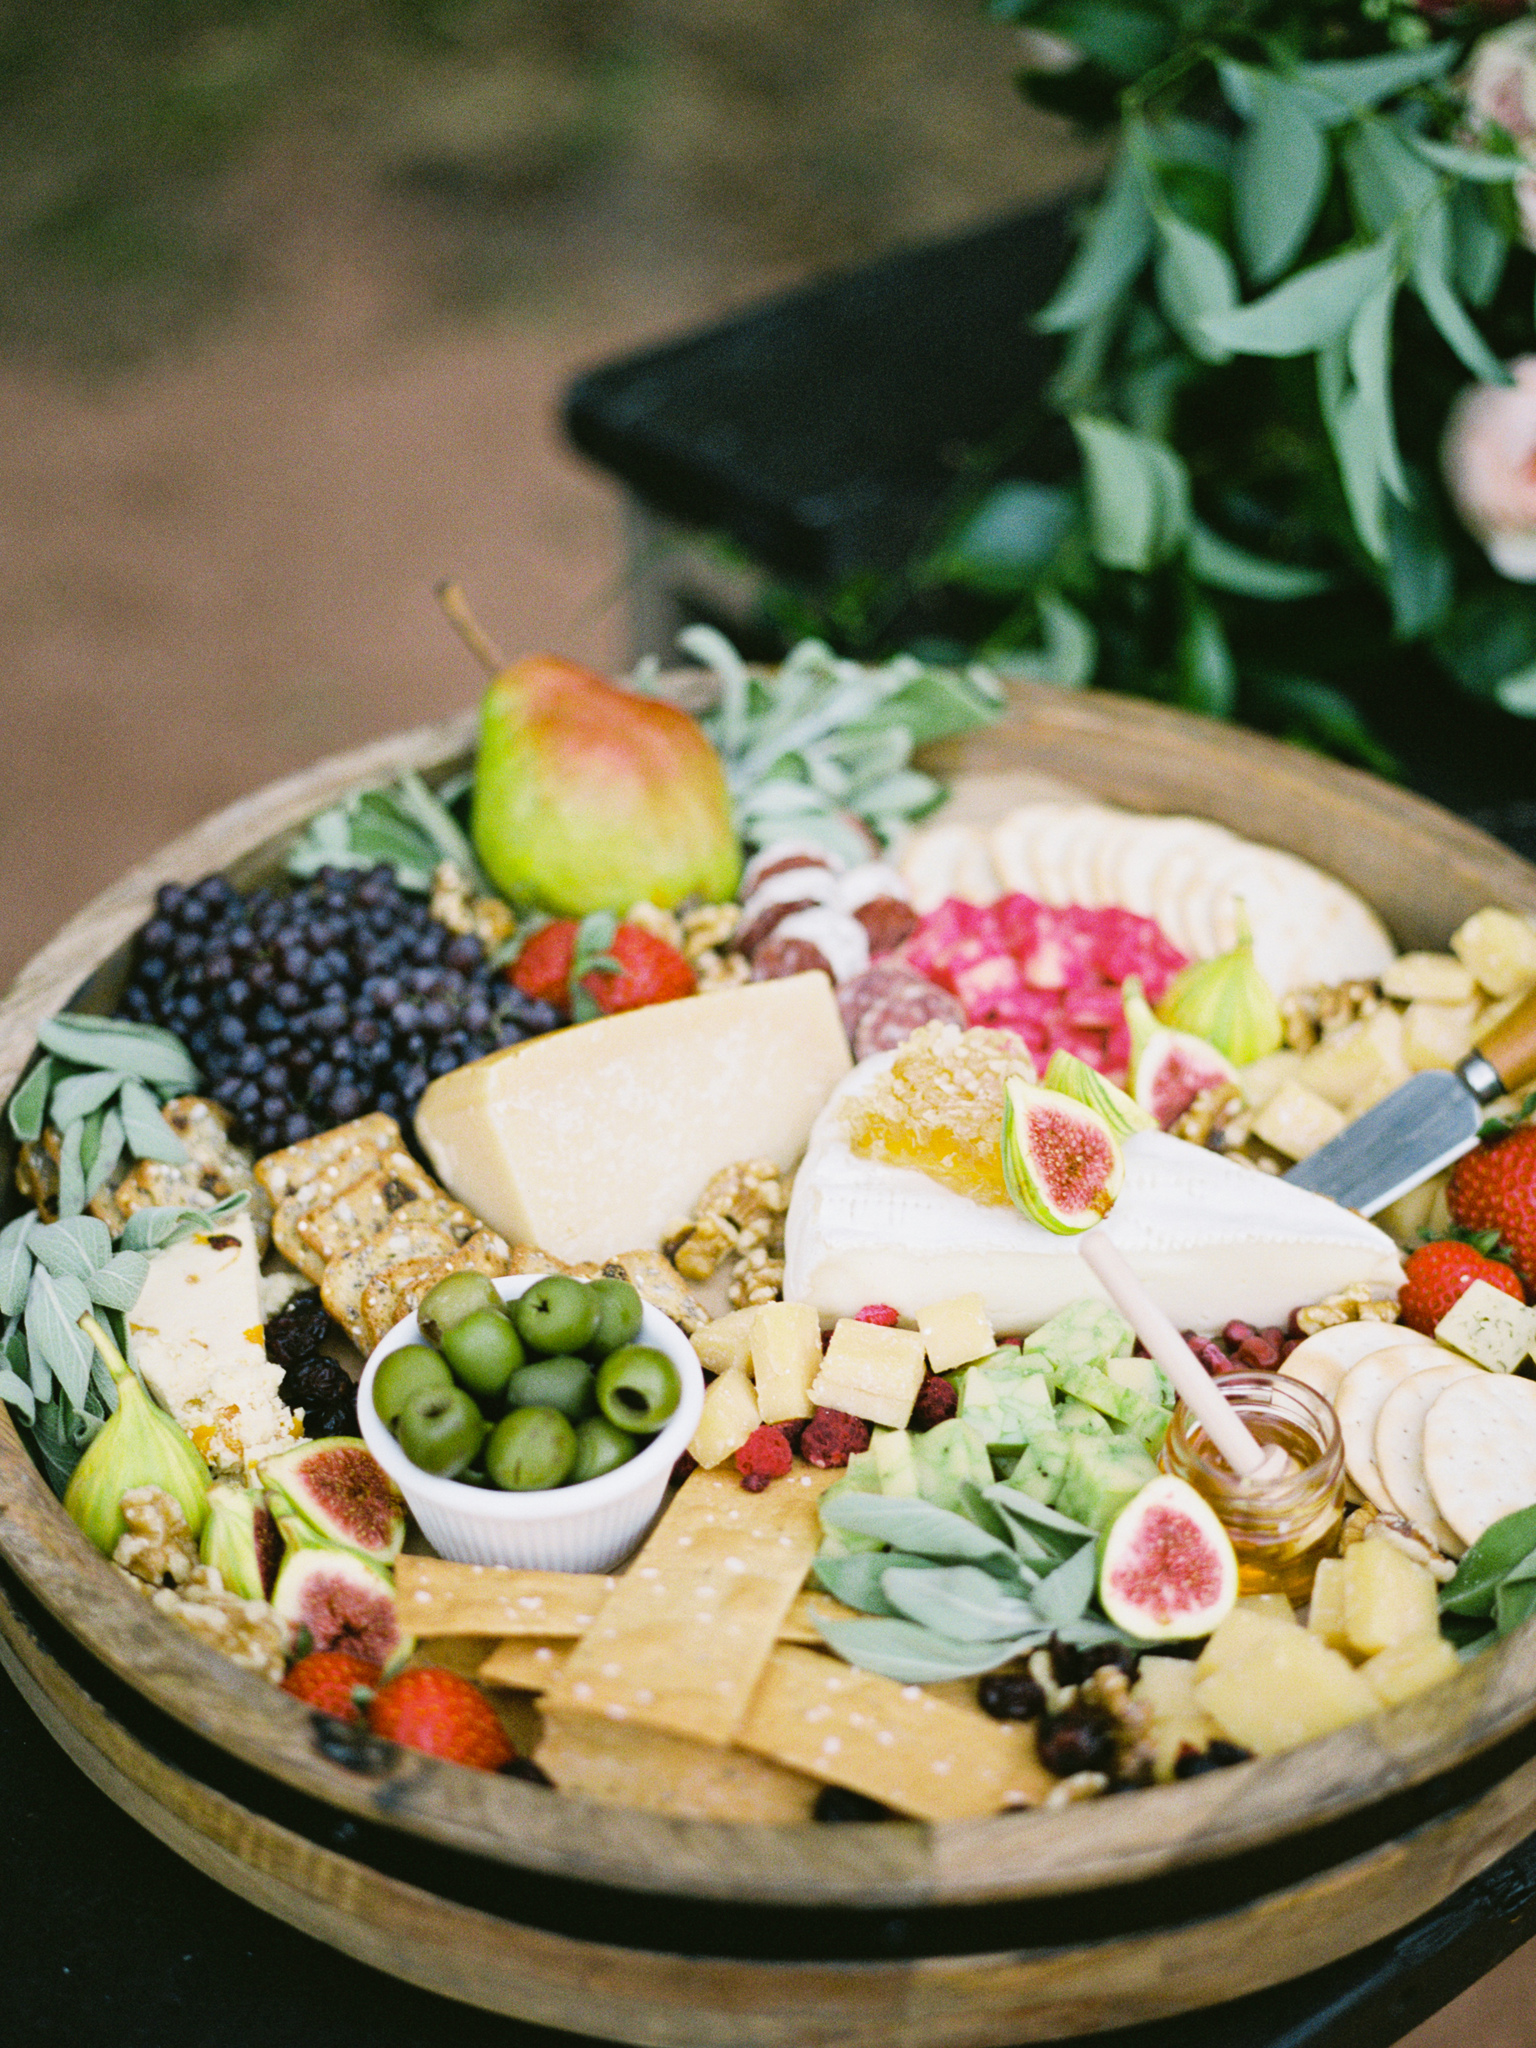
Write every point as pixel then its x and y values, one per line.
pixel 304 1009
pixel 293 1339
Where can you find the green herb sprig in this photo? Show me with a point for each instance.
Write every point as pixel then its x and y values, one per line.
pixel 1494 1589
pixel 101 1082
pixel 407 826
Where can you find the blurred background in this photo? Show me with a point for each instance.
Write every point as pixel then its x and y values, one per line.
pixel 291 294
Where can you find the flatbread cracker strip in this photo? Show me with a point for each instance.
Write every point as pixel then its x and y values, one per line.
pixel 926 1757
pixel 439 1598
pixel 342 1284
pixel 622 1765
pixel 283 1173
pixel 684 1636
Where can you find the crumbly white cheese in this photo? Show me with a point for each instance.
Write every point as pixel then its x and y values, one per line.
pixel 1490 1327
pixel 195 1337
pixel 1212 1240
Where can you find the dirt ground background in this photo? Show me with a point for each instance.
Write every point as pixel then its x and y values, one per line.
pixel 292 292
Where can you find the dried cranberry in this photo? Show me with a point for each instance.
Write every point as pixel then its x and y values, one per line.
pixel 296 1333
pixel 1290 1345
pixel 1010 1695
pixel 755 1482
pixel 1216 1756
pixel 1257 1354
pixel 1068 1745
pixel 1070 1665
pixel 327 1395
pixel 1235 1333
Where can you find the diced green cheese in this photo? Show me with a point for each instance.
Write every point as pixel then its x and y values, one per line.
pixel 947 1457
pixel 1101 1475
pixel 1085 1332
pixel 1041 1465
pixel 1097 1390
pixel 892 1451
pixel 1490 1327
pixel 1004 1403
pixel 1078 1419
pixel 1143 1376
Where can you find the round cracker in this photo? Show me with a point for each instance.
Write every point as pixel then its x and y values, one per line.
pixel 1400 1448
pixel 1321 1361
pixel 1362 1394
pixel 1480 1451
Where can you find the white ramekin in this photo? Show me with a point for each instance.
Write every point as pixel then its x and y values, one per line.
pixel 582 1528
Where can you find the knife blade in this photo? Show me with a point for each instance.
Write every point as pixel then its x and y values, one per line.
pixel 1424 1125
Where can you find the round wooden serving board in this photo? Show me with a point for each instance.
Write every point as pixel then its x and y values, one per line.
pixel 1026 1927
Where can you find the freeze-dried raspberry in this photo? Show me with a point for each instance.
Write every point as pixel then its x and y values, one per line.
pixel 879 1312
pixel 765 1455
pixel 936 1402
pixel 793 1430
pixel 830 1438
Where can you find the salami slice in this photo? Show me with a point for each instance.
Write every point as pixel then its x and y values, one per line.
pixel 885 1004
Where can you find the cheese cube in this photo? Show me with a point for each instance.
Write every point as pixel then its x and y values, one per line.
pixel 1498 949
pixel 786 1357
pixel 1325 1616
pixel 872 1372
pixel 1297 1121
pixel 1438 1034
pixel 1358 1065
pixel 1388 1599
pixel 1409 1668
pixel 1289 1689
pixel 1269 1607
pixel 727 1341
pixel 1428 978
pixel 1490 1327
pixel 956 1332
pixel 195 1338
pixel 591 1141
pixel 729 1416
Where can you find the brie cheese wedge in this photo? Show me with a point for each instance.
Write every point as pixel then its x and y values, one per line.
pixel 1210 1239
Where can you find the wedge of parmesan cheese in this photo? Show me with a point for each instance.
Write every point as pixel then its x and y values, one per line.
pixel 1212 1240
pixel 195 1338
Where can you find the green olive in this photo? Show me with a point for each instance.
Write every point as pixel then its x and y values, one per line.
pixel 638 1388
pixel 563 1383
pixel 600 1448
pixel 557 1315
pixel 410 1370
pixel 530 1449
pixel 484 1351
pixel 441 1430
pixel 619 1313
pixel 446 1305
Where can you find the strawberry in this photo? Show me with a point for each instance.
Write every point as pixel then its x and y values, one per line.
pixel 543 967
pixel 650 971
pixel 1494 1188
pixel 1439 1274
pixel 327 1679
pixel 443 1714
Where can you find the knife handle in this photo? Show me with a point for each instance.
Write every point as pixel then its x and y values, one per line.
pixel 1510 1047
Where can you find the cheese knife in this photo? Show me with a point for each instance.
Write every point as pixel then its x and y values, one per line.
pixel 1424 1125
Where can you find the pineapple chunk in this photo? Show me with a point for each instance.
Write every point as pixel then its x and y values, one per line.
pixel 729 1417
pixel 1438 1034
pixel 1498 949
pixel 726 1342
pixel 1296 1121
pixel 1287 1689
pixel 1359 1065
pixel 1388 1599
pixel 1165 1691
pixel 1325 1616
pixel 872 1372
pixel 1242 1635
pixel 1269 1606
pixel 1428 978
pixel 1262 1081
pixel 786 1357
pixel 957 1332
pixel 1409 1668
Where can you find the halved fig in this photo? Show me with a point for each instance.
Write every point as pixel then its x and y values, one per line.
pixel 1068 1075
pixel 1061 1163
pixel 1168 1068
pixel 240 1540
pixel 335 1600
pixel 340 1489
pixel 1167 1572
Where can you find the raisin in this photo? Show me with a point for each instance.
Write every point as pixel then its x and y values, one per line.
pixel 1216 1756
pixel 1010 1695
pixel 1068 1746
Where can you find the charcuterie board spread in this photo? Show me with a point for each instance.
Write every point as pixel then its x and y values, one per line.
pixel 606 1272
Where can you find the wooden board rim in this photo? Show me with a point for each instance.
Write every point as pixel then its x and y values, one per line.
pixel 1114 745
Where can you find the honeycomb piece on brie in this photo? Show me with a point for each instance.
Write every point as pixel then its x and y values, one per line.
pixel 938 1109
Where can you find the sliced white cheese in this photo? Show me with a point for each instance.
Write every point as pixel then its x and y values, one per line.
pixel 1212 1240
pixel 593 1141
pixel 195 1338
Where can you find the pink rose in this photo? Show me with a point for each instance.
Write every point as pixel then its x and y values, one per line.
pixel 1489 459
pixel 1500 86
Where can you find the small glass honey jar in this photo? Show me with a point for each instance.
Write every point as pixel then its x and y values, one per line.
pixel 1279 1528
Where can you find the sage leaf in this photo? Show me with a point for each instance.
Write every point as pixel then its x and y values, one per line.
pixel 152 1230
pixel 855 1579
pixel 1503 1545
pixel 18 1393
pixel 1309 309
pixel 109 1151
pixel 1050 1533
pixel 1281 178
pixel 81 1094
pixel 75 1245
pixel 54 1306
pixel 1062 1597
pixel 119 1283
pixel 913 1525
pixel 1109 257
pixel 917 1656
pixel 71 1196
pixel 1138 494
pixel 62 1434
pixel 1513 1603
pixel 16 1263
pixel 1195 279
pixel 145 1129
pixel 143 1050
pixel 29 1105
pixel 961 1602
pixel 1223 566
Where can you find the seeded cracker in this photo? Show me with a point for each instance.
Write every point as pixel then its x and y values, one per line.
pixel 623 1765
pixel 372 1203
pixel 283 1173
pixel 319 1192
pixel 684 1636
pixel 341 1286
pixel 399 1290
pixel 528 1663
pixel 926 1757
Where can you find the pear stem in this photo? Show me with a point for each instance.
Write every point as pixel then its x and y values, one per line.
pixel 111 1357
pixel 450 596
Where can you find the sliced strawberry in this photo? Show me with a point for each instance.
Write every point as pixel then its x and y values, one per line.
pixel 543 967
